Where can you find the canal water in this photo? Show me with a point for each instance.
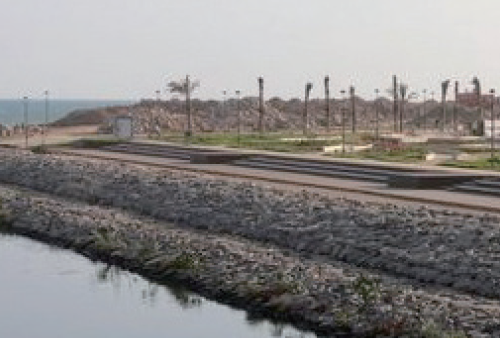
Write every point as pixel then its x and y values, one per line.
pixel 55 293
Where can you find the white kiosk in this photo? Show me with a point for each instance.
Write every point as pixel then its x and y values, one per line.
pixel 123 127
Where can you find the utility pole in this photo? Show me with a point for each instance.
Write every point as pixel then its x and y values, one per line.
pixel 261 105
pixel 306 112
pixel 327 99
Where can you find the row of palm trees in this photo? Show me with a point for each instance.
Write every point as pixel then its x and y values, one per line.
pixel 399 92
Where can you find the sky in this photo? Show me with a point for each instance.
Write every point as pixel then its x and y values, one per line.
pixel 128 49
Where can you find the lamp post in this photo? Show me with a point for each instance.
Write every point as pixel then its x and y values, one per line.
pixel 25 104
pixel 224 115
pixel 342 108
pixel 492 92
pixel 44 131
pixel 239 115
pixel 376 114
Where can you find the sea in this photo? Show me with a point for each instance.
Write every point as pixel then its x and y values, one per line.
pixel 12 111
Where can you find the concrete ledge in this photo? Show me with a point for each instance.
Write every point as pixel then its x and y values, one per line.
pixel 215 157
pixel 429 180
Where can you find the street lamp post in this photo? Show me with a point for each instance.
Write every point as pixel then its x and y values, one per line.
pixel 239 116
pixel 425 109
pixel 45 128
pixel 492 92
pixel 25 104
pixel 224 115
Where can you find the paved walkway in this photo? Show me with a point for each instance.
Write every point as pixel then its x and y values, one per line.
pixel 363 190
pixel 323 158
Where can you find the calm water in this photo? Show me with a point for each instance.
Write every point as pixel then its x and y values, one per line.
pixel 47 292
pixel 12 111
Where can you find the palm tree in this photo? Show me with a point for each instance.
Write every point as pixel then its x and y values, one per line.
pixel 477 91
pixel 306 113
pixel 185 87
pixel 403 90
pixel 395 105
pixel 353 108
pixel 261 105
pixel 327 99
pixel 455 107
pixel 444 92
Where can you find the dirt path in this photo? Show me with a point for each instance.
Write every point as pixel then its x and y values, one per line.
pixel 54 135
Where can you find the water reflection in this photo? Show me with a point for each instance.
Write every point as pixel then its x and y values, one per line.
pixel 115 276
pixel 66 295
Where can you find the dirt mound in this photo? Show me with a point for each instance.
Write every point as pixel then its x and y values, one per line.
pixel 280 114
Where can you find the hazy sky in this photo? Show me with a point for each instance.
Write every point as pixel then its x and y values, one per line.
pixel 130 48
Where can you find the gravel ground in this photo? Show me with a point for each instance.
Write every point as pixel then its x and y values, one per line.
pixel 451 251
pixel 327 297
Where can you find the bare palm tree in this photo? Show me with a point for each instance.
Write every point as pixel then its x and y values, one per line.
pixel 306 112
pixel 185 87
pixel 403 90
pixel 477 91
pixel 455 107
pixel 261 105
pixel 444 92
pixel 352 91
pixel 327 99
pixel 395 104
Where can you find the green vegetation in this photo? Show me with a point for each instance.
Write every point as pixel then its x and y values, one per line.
pixel 433 330
pixel 3 218
pixel 185 261
pixel 271 142
pixel 484 164
pixel 368 289
pixel 40 149
pixel 407 155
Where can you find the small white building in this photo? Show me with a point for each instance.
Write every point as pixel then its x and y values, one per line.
pixel 123 127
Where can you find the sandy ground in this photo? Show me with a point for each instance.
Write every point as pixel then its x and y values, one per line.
pixel 55 135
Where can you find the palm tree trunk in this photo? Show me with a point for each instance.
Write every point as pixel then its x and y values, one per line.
pixel 261 105
pixel 327 99
pixel 188 107
pixel 353 108
pixel 395 105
